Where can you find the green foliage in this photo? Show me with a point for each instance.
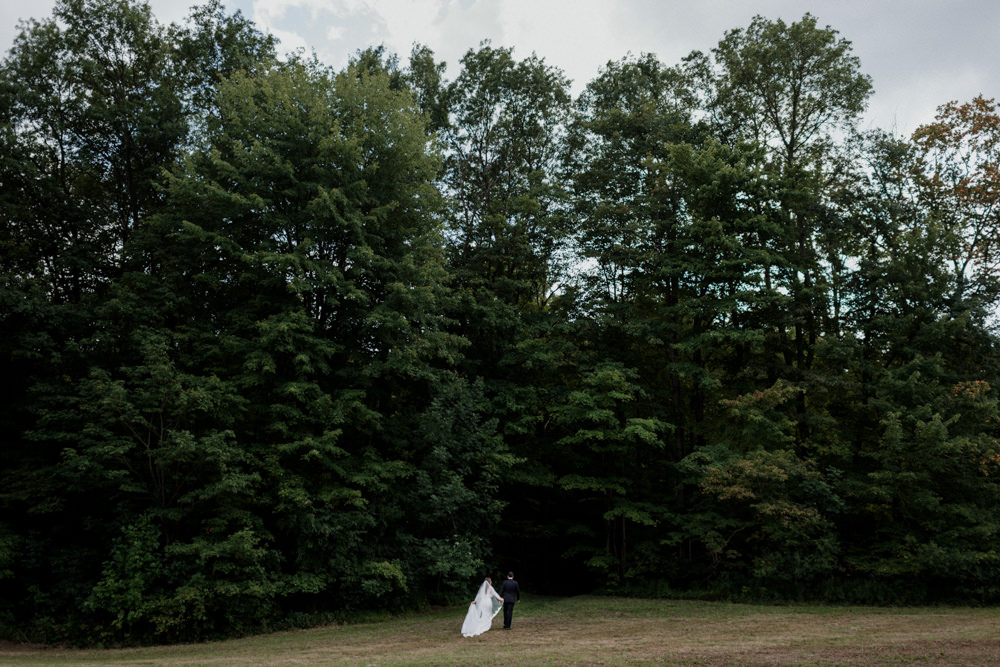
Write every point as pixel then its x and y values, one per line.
pixel 182 591
pixel 284 343
pixel 786 85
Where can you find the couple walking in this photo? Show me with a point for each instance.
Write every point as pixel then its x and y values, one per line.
pixel 488 604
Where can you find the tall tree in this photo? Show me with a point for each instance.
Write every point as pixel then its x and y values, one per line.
pixel 506 225
pixel 305 258
pixel 91 116
pixel 918 481
pixel 788 86
pixel 211 46
pixel 257 406
pixel 794 88
pixel 957 171
pixel 670 224
pixel 91 105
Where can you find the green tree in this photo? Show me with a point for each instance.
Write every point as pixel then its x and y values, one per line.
pixel 304 258
pixel 793 88
pixel 763 514
pixel 783 97
pixel 212 46
pixel 670 232
pixel 506 226
pixel 917 478
pixel 788 86
pixel 425 76
pixel 507 232
pixel 91 116
pixel 256 407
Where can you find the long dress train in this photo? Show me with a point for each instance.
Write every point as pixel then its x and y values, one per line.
pixel 482 611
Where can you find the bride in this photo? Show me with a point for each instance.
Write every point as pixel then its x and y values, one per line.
pixel 482 610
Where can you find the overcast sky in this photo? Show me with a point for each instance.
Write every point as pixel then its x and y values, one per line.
pixel 919 53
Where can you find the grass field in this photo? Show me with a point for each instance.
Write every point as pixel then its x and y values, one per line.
pixel 590 630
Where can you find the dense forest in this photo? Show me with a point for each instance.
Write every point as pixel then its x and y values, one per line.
pixel 282 344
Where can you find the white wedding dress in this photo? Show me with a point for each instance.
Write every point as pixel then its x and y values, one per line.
pixel 482 610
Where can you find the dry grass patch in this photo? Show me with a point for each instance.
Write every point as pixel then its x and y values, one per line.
pixel 589 630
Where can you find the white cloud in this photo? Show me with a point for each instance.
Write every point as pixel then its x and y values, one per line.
pixel 920 53
pixel 579 40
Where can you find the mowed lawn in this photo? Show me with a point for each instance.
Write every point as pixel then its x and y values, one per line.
pixel 590 630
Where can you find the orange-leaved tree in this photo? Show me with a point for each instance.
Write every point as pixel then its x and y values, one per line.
pixel 957 170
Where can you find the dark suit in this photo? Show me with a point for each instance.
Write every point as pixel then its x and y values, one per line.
pixel 511 593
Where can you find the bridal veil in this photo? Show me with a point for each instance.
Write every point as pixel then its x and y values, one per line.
pixel 481 612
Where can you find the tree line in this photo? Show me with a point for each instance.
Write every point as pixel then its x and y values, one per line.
pixel 283 343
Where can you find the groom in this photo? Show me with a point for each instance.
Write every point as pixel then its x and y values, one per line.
pixel 511 593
